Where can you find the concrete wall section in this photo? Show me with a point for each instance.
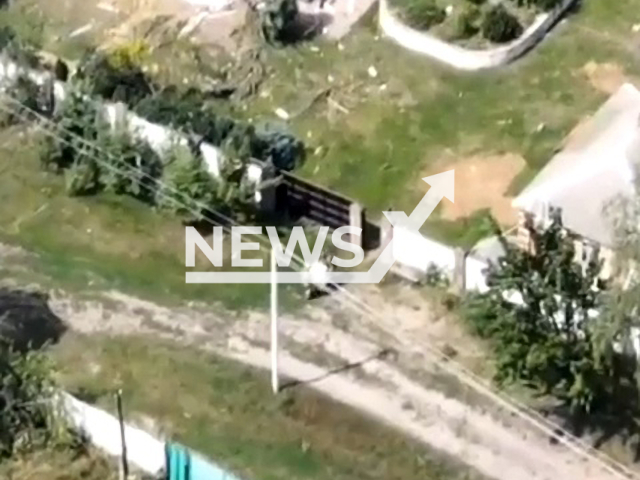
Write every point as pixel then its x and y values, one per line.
pixel 415 251
pixel 103 430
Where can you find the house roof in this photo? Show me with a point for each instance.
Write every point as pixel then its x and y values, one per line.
pixel 594 168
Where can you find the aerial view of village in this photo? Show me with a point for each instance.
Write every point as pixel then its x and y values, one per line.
pixel 319 239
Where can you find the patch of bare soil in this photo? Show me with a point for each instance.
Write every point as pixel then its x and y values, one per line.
pixel 179 19
pixel 605 77
pixel 486 178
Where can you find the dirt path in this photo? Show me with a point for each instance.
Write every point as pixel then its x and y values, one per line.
pixel 499 448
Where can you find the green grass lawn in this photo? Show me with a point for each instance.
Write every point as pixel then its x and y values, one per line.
pixel 393 129
pixel 227 412
pixel 379 150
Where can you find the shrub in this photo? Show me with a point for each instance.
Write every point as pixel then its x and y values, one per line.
pixel 541 4
pixel 76 119
pixel 468 22
pixel 129 166
pixel 435 276
pixel 114 77
pixel 188 188
pixel 500 26
pixel 26 418
pixel 278 19
pixel 188 112
pixel 423 14
pixel 279 147
pixel 29 96
pixel 547 4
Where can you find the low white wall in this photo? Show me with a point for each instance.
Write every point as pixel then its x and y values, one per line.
pixel 103 430
pixel 463 58
pixel 474 276
pixel 415 251
pixel 159 137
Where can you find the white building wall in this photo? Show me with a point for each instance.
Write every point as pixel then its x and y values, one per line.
pixel 415 251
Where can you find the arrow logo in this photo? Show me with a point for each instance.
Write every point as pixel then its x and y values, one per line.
pixel 442 186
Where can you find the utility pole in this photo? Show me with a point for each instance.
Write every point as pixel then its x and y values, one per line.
pixel 274 323
pixel 125 464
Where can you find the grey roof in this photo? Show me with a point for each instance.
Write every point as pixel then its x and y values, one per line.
pixel 595 167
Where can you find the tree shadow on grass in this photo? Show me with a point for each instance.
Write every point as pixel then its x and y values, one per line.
pixel 306 27
pixel 615 419
pixel 26 321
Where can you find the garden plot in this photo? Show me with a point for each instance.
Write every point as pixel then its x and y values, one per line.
pixel 471 23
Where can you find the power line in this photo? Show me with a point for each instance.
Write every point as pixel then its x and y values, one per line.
pixel 440 358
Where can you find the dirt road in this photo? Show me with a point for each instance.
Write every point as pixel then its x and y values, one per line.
pixel 498 446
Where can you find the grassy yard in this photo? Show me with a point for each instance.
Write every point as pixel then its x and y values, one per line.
pixel 418 117
pixel 226 411
pixel 103 242
pixel 377 137
pixel 58 464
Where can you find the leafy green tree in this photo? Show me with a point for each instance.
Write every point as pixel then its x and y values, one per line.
pixel 77 126
pixel 189 189
pixel 128 166
pixel 541 315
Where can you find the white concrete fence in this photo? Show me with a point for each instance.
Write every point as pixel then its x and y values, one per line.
pixel 463 58
pixel 159 137
pixel 103 431
pixel 144 452
pixel 414 254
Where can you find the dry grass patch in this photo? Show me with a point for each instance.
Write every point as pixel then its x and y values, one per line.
pixel 604 77
pixel 482 182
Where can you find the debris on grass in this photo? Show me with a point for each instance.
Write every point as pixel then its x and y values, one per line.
pixel 373 73
pixel 336 105
pixel 79 31
pixel 107 7
pixel 282 114
pixel 193 24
